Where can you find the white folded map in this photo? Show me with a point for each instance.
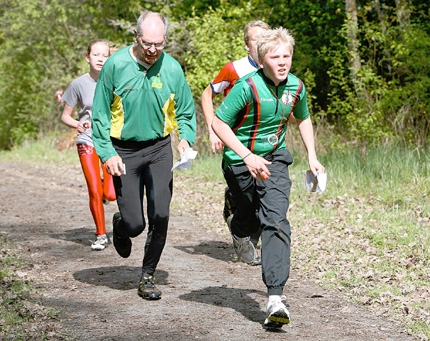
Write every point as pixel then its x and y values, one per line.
pixel 185 161
pixel 317 183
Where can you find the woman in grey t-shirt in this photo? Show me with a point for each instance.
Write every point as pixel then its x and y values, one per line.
pixel 79 94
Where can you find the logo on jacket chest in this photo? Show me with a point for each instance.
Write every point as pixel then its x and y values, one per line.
pixel 156 82
pixel 287 98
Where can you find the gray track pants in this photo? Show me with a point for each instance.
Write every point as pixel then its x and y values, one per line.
pixel 265 204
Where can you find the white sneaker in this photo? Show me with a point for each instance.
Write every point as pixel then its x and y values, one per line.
pixel 277 312
pixel 257 260
pixel 100 243
pixel 243 247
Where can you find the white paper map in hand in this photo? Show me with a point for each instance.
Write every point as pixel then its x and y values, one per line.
pixel 316 184
pixel 185 161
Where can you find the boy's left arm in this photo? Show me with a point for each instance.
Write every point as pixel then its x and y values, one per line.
pixel 307 133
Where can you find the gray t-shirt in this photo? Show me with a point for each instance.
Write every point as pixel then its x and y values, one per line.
pixel 80 94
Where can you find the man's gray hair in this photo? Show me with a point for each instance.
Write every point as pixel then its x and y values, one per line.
pixel 251 24
pixel 142 17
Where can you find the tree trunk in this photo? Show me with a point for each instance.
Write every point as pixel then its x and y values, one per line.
pixel 353 43
pixel 403 13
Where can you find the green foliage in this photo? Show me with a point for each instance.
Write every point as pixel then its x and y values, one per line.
pixel 43 50
pixel 209 48
pixel 407 104
pixel 36 59
pixel 43 45
pixel 392 105
pixel 315 26
pixel 310 84
pixel 395 54
pixel 216 37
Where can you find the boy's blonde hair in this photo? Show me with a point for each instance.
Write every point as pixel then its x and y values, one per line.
pixel 270 39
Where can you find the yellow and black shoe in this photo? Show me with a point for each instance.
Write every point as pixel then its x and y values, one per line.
pixel 147 288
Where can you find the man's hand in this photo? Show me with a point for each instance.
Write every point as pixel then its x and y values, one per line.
pixel 115 166
pixel 183 145
pixel 216 143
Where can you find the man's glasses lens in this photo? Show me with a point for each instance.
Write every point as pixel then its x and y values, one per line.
pixel 158 46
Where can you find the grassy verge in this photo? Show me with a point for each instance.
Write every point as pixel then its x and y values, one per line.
pixel 22 317
pixel 41 152
pixel 369 234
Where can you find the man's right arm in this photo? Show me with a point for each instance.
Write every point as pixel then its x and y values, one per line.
pixel 101 125
pixel 219 84
pixel 208 111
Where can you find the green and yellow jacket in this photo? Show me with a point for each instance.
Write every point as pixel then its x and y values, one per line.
pixel 133 103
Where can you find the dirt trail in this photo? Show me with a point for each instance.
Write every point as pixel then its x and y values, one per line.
pixel 206 296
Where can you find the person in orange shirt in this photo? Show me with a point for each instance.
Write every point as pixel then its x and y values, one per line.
pixel 223 83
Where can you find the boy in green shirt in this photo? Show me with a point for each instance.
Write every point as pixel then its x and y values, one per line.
pixel 252 123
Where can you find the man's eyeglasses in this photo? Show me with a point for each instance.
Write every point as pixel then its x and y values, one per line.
pixel 146 45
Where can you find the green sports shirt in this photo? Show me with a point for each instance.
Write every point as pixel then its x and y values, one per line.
pixel 257 111
pixel 133 103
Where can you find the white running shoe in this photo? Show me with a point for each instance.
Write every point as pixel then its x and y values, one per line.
pixel 277 312
pixel 100 243
pixel 244 249
pixel 257 260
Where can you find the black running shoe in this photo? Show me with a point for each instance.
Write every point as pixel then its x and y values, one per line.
pixel 147 288
pixel 229 205
pixel 122 244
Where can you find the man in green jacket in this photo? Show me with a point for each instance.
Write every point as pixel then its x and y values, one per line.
pixel 141 96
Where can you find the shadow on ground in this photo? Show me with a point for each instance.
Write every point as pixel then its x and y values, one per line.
pixel 117 277
pixel 81 235
pixel 215 249
pixel 238 299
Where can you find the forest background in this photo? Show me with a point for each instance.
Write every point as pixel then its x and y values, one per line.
pixel 365 63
